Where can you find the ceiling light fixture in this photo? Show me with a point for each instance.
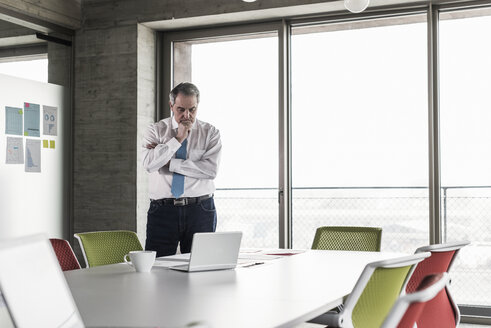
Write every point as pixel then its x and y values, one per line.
pixel 356 6
pixel 249 0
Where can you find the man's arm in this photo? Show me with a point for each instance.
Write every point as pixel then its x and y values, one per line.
pixel 156 155
pixel 207 166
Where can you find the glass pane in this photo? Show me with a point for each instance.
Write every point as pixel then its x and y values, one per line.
pixel 36 70
pixel 238 81
pixel 360 149
pixel 465 71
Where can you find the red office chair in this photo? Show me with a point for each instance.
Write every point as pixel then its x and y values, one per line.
pixel 431 305
pixel 65 254
pixel 441 259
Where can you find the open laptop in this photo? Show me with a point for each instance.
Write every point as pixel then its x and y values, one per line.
pixel 213 251
pixel 34 288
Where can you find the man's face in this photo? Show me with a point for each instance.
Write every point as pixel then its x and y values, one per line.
pixel 185 108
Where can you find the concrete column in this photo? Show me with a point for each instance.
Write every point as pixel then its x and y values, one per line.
pixel 60 72
pixel 146 95
pixel 105 129
pixel 182 62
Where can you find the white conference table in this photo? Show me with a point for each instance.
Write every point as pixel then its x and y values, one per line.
pixel 280 293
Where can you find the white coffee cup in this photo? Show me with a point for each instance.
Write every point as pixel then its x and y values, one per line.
pixel 142 261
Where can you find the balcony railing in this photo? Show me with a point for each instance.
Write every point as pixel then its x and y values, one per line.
pixel 402 212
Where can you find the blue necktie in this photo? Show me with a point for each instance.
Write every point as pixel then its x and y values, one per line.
pixel 177 188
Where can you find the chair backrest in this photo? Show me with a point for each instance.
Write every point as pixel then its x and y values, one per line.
pixel 448 312
pixel 376 291
pixel 348 238
pixel 65 255
pixel 441 259
pixel 33 285
pixel 107 247
pixel 431 305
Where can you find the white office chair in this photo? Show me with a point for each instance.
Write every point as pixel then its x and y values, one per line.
pixel 33 285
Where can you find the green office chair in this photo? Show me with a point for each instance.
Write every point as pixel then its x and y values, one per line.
pixel 107 247
pixel 374 294
pixel 348 238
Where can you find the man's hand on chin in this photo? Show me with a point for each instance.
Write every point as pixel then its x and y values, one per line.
pixel 183 130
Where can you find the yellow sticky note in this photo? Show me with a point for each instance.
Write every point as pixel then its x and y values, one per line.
pixel 45 143
pixel 26 133
pixel 52 144
pixel 20 111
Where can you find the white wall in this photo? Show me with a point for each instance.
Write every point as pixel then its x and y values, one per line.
pixel 32 202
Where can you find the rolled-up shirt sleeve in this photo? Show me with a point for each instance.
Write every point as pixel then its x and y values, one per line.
pixel 154 159
pixel 207 166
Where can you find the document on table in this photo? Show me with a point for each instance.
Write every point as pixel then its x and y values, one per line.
pixel 257 257
pixel 283 252
pixel 268 254
pixel 178 259
pixel 247 257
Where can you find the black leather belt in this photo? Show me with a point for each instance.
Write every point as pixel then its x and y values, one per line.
pixel 181 201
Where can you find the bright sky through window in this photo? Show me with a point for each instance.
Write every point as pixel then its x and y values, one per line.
pixel 36 70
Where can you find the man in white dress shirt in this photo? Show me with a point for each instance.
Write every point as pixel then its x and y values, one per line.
pixel 176 212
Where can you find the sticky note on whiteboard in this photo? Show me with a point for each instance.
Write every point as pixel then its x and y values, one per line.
pixel 52 144
pixel 45 143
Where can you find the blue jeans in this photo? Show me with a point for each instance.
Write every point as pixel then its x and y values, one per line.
pixel 168 225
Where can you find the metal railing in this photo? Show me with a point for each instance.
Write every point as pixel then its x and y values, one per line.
pixel 402 212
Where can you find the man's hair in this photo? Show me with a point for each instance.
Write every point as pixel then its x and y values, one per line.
pixel 185 88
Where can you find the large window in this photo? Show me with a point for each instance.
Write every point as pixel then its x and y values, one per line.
pixel 36 69
pixel 354 128
pixel 359 129
pixel 239 95
pixel 465 66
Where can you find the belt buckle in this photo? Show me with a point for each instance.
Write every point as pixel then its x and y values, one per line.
pixel 180 202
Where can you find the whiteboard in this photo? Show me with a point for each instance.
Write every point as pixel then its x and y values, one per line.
pixel 32 202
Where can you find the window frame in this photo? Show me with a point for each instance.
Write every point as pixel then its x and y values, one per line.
pixel 281 28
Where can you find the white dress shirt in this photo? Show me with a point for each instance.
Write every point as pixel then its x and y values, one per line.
pixel 200 168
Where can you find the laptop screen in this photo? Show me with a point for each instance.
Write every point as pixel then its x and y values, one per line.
pixel 33 285
pixel 215 249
